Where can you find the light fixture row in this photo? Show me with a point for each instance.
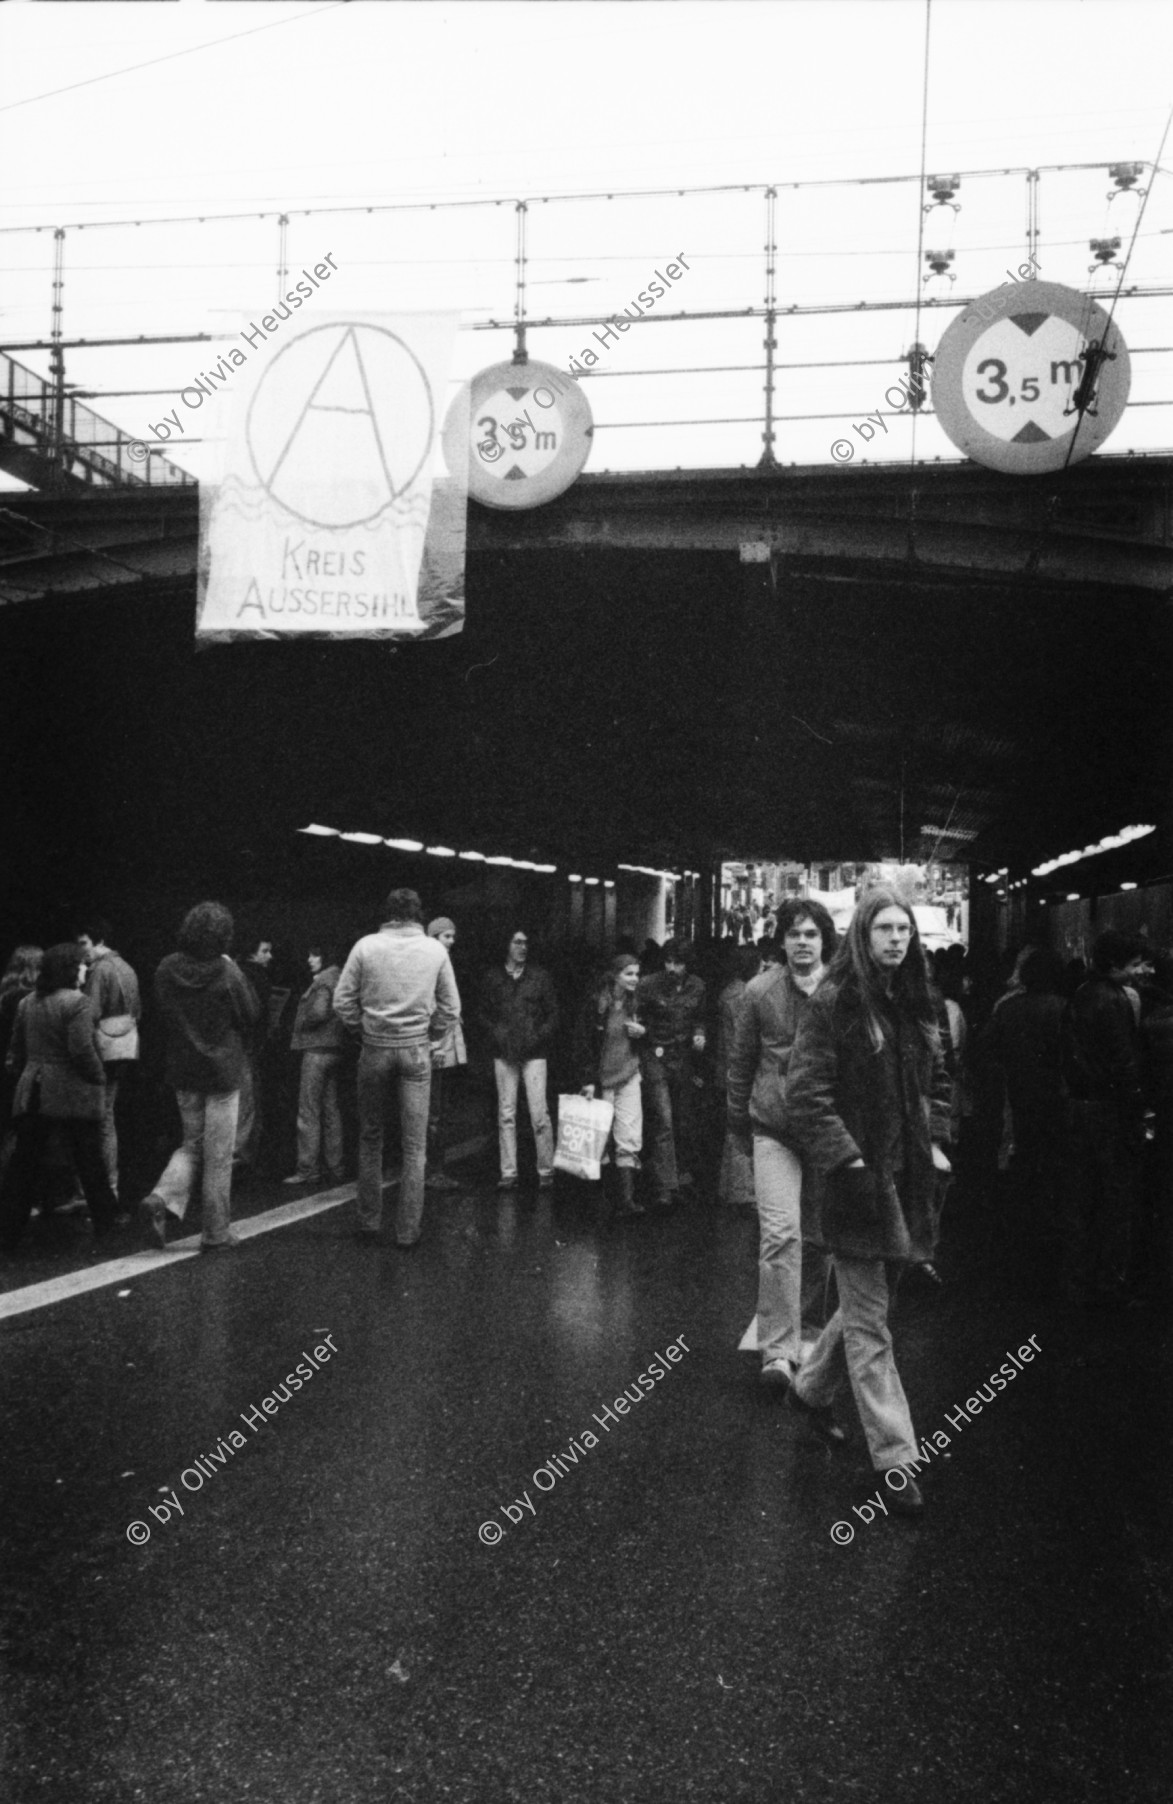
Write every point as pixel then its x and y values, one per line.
pixel 317 831
pixel 417 845
pixel 647 870
pixel 1109 844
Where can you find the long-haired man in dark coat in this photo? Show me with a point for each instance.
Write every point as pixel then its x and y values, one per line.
pixel 867 1103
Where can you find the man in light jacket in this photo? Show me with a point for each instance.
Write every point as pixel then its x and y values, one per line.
pixel 398 987
pixel 774 1004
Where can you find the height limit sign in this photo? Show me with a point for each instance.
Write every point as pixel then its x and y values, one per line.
pixel 1030 378
pixel 524 430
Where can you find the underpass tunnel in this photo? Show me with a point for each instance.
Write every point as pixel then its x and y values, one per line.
pixel 605 706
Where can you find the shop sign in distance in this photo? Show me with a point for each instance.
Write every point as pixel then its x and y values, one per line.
pixel 1007 372
pixel 529 429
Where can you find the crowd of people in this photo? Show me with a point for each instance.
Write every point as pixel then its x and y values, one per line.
pixel 827 1091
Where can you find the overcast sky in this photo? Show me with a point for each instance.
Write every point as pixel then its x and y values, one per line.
pixel 267 107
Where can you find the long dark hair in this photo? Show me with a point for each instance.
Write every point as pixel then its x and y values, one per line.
pixel 860 980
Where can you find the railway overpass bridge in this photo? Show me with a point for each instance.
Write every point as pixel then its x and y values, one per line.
pixel 920 662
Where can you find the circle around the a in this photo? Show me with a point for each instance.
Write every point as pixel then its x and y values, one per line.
pixel 387 414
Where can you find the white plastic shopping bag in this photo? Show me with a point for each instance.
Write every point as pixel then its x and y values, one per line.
pixel 584 1127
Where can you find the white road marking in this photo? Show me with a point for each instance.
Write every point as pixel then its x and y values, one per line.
pixel 137 1265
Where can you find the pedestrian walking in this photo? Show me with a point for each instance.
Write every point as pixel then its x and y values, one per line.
pixel 250 1122
pixel 776 1003
pixel 735 1179
pixel 113 991
pixel 319 1036
pixel 398 987
pixel 609 1032
pixel 867 1102
pixel 671 1005
pixel 209 1011
pixel 447 1057
pixel 59 1086
pixel 1026 1038
pixel 519 1013
pixel 1104 1075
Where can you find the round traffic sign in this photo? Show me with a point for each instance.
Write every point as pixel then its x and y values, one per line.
pixel 1013 370
pixel 529 431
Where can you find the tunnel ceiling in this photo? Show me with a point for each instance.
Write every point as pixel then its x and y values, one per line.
pixel 607 704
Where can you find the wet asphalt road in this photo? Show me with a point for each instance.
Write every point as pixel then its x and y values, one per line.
pixel 672 1619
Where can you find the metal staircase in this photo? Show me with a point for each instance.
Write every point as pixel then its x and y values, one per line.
pixel 53 441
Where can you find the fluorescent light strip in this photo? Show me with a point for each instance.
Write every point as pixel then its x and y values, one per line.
pixel 1110 843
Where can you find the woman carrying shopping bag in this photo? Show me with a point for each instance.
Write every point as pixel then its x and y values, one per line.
pixel 609 1032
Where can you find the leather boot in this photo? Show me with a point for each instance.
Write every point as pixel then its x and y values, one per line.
pixel 625 1203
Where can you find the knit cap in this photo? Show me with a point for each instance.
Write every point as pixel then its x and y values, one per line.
pixel 440 925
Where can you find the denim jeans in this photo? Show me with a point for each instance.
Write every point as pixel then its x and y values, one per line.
pixel 628 1127
pixel 406 1069
pixel 531 1072
pixel 436 1120
pixel 209 1133
pixel 857 1343
pixel 668 1106
pixel 113 1072
pixel 777 1177
pixel 249 1122
pixel 319 1119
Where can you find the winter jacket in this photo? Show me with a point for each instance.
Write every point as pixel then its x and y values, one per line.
pixel 760 1058
pixel 1026 1036
pixel 316 1028
pixel 398 986
pixel 844 1101
pixel 209 1010
pixel 671 1011
pixel 55 1058
pixel 259 981
pixel 519 1014
pixel 1104 1065
pixel 112 989
pixel 604 1052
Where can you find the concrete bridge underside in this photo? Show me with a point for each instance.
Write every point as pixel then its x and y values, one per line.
pixel 863 662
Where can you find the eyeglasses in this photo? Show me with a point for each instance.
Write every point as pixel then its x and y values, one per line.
pixel 519 939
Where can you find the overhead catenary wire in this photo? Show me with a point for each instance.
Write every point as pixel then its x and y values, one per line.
pixel 171 56
pixel 1081 409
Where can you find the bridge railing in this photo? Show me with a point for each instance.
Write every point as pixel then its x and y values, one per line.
pixel 67 437
pixel 783 339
